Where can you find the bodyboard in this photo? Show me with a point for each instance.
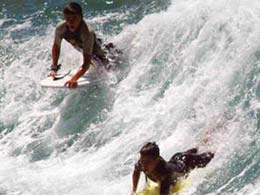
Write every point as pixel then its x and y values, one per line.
pixel 93 75
pixel 152 188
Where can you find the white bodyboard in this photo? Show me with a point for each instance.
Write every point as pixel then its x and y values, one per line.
pixel 93 75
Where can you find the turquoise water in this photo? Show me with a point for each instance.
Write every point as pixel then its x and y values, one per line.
pixel 189 67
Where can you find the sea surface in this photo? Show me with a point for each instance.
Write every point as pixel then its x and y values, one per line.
pixel 189 76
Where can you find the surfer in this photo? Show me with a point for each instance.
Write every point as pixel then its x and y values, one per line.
pixel 80 35
pixel 167 173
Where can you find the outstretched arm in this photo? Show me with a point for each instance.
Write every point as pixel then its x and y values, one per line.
pixel 55 58
pixel 135 178
pixel 55 54
pixel 72 83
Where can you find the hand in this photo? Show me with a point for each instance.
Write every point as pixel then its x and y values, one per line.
pixel 52 73
pixel 72 84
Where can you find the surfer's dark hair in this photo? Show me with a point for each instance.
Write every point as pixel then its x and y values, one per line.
pixel 72 8
pixel 150 149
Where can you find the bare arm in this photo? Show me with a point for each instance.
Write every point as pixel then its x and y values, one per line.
pixel 135 177
pixel 72 83
pixel 55 54
pixel 84 67
pixel 55 59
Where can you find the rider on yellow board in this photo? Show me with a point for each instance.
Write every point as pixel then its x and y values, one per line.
pixel 167 173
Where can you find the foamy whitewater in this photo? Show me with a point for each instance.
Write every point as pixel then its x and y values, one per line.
pixel 190 69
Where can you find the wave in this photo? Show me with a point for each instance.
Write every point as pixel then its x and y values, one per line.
pixel 189 71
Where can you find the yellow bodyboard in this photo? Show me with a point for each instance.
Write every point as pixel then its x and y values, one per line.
pixel 152 188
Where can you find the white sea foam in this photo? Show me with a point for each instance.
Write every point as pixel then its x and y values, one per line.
pixel 189 67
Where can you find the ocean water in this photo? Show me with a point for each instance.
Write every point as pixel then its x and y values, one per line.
pixel 190 71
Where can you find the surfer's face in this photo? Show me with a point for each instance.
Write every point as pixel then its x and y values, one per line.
pixel 148 163
pixel 73 21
